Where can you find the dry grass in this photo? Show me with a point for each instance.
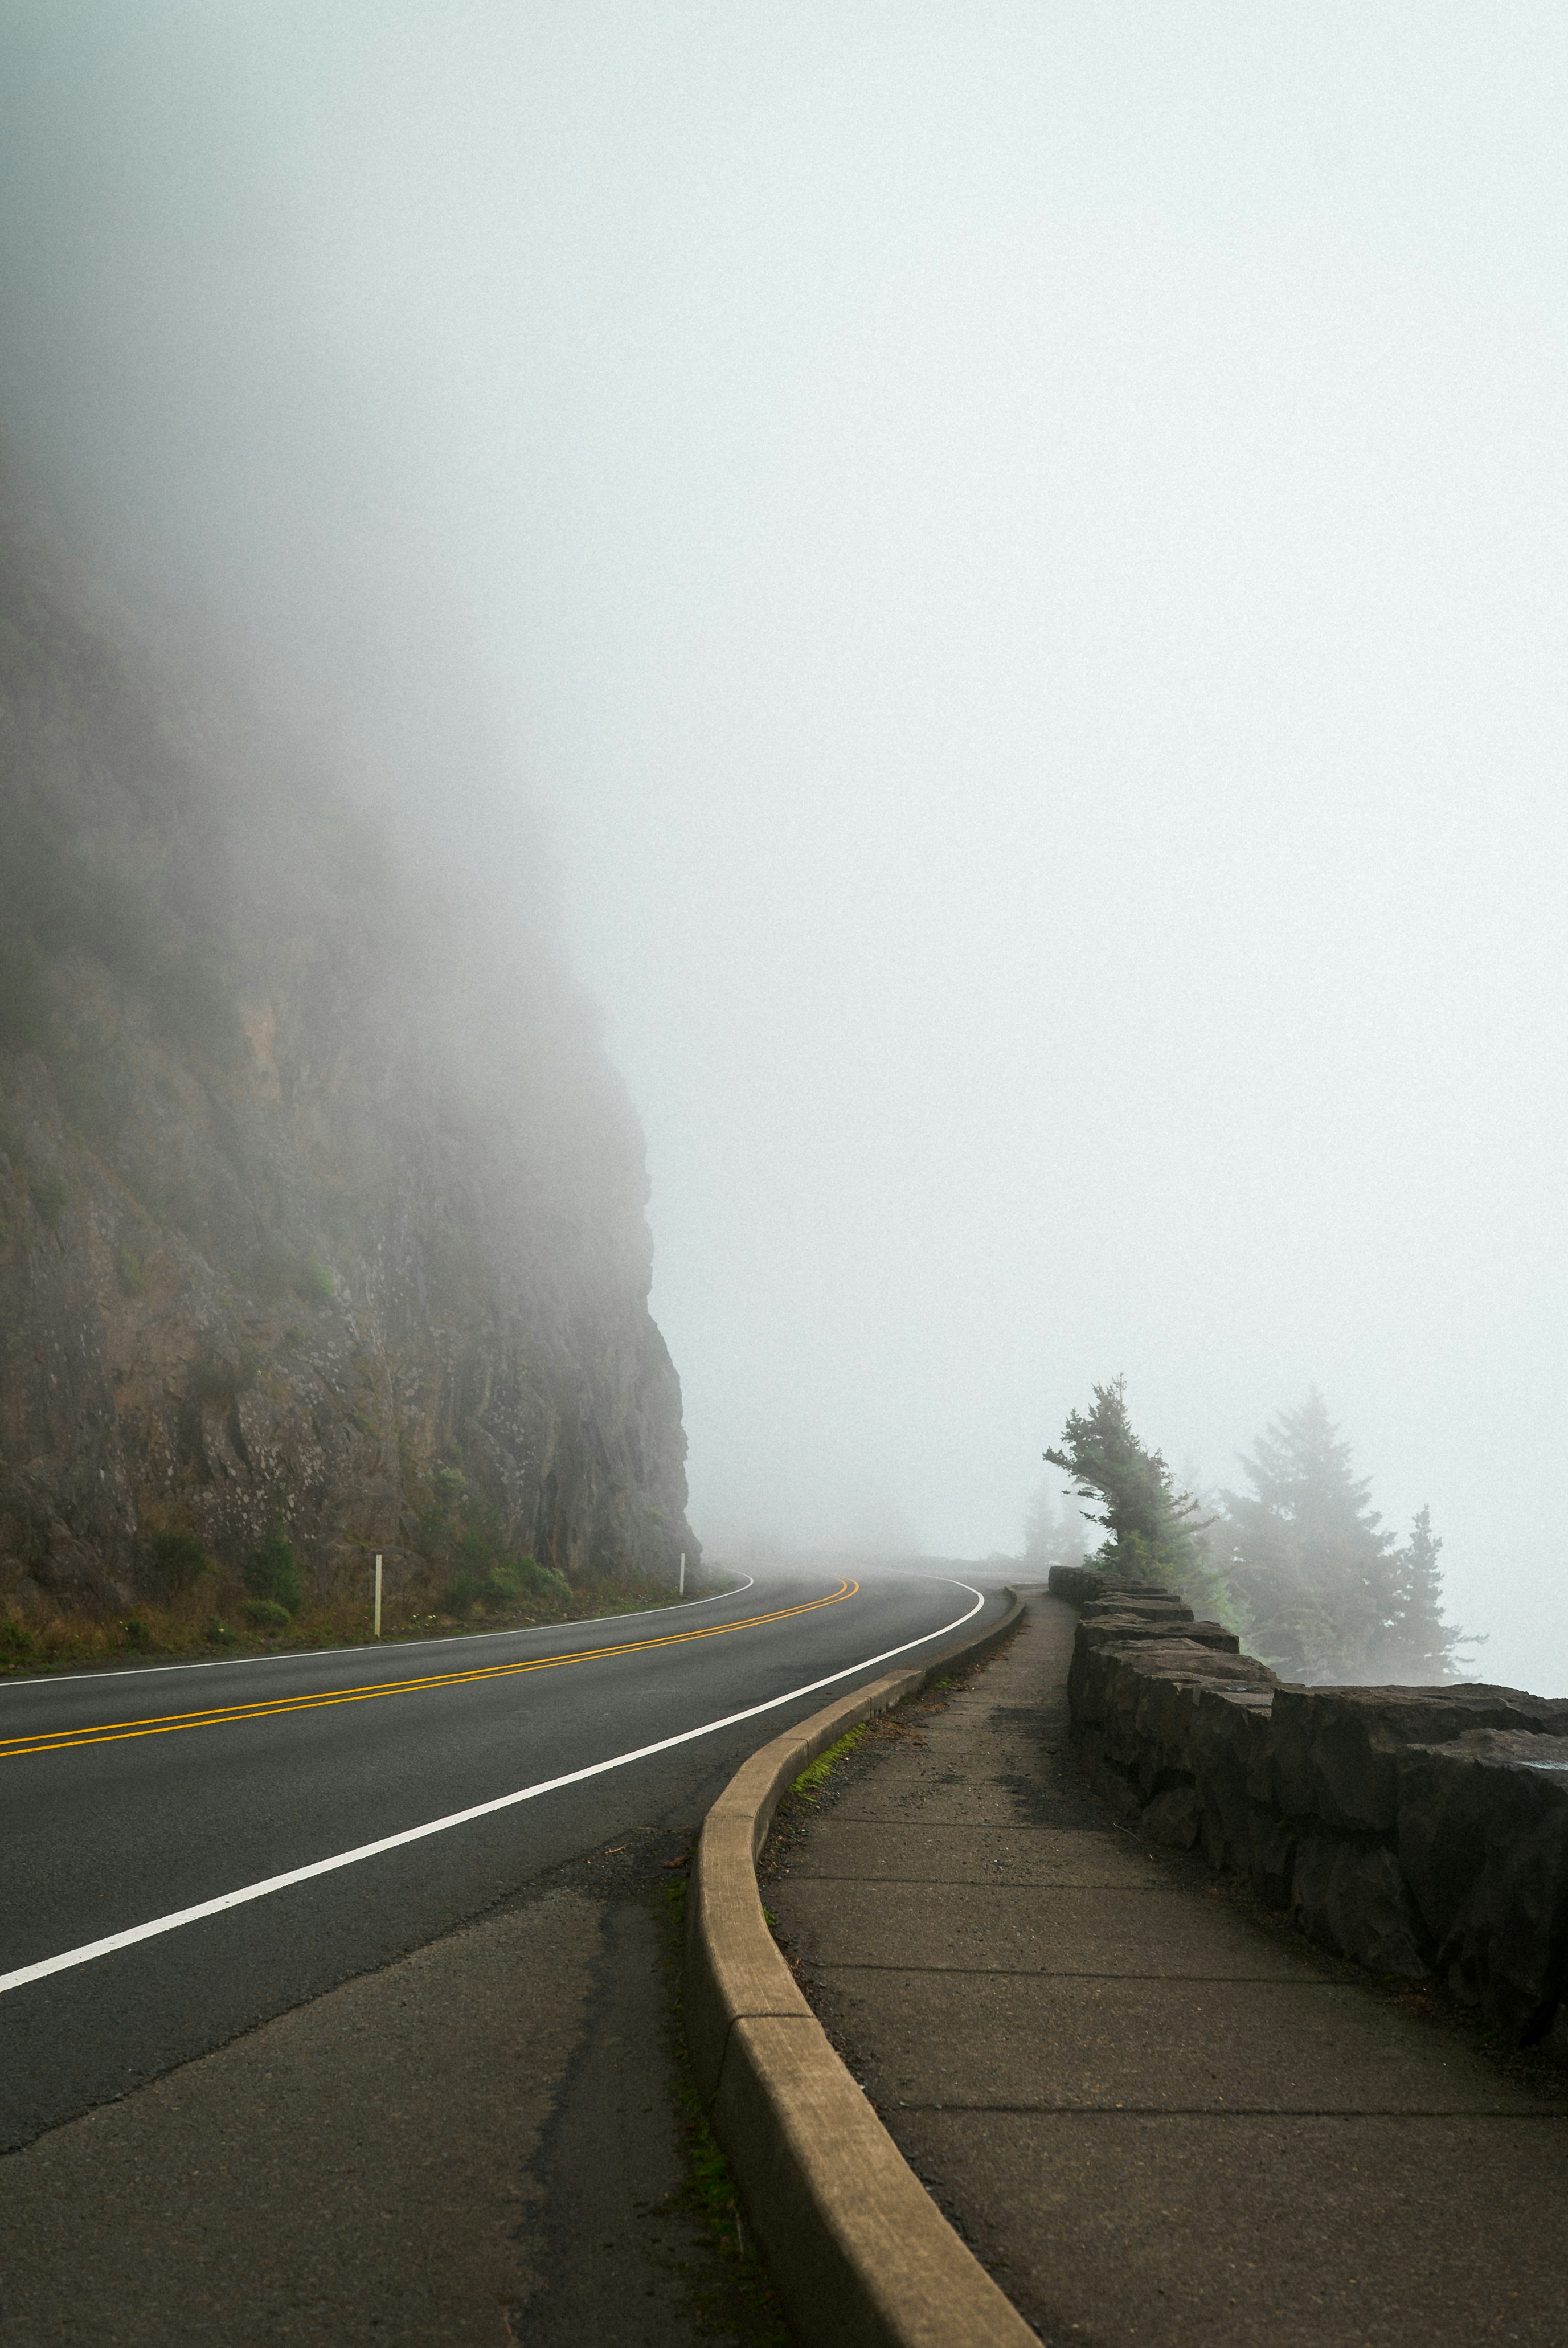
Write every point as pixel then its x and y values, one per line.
pixel 210 1620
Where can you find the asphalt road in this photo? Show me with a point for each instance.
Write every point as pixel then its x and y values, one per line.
pixel 127 1798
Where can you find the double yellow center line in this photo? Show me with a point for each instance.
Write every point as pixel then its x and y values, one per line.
pixel 55 1740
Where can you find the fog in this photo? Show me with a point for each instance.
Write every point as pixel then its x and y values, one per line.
pixel 1002 570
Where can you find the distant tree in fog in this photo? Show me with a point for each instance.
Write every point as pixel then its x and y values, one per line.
pixel 1419 1648
pixel 1053 1535
pixel 1307 1555
pixel 1324 1592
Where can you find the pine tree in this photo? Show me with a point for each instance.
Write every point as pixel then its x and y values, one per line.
pixel 1052 1537
pixel 1419 1648
pixel 1309 1558
pixel 1148 1523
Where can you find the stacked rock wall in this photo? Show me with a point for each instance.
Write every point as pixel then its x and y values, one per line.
pixel 1416 1831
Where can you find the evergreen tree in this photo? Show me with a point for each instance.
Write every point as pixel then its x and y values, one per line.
pixel 1149 1524
pixel 1312 1568
pixel 1419 1648
pixel 1052 1537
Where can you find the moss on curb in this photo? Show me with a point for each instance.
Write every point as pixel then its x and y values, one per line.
pixel 812 1780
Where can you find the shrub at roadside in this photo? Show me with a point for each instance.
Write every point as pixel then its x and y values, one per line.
pixel 179 1561
pixel 266 1614
pixel 513 1582
pixel 272 1573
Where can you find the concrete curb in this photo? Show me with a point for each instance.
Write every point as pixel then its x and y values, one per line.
pixel 858 2251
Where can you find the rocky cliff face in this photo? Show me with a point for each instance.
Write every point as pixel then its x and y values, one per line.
pixel 319 1199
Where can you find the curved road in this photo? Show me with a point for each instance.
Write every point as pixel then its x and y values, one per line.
pixel 399 1791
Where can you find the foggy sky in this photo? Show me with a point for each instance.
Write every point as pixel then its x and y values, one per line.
pixel 1019 554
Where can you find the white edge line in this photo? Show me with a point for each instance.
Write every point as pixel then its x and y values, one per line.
pixel 387 1646
pixel 179 1916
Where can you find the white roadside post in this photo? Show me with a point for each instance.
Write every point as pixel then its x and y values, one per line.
pixel 378 1594
pixel 681 1593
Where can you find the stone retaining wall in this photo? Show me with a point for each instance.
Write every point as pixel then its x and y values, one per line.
pixel 1416 1831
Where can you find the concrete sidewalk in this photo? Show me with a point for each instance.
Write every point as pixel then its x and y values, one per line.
pixel 1154 2119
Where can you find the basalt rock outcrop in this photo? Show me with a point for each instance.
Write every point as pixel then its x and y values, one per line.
pixel 1414 1830
pixel 319 1201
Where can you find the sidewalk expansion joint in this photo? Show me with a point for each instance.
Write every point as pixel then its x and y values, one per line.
pixel 1238 2111
pixel 842 1817
pixel 1049 1972
pixel 970 1883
